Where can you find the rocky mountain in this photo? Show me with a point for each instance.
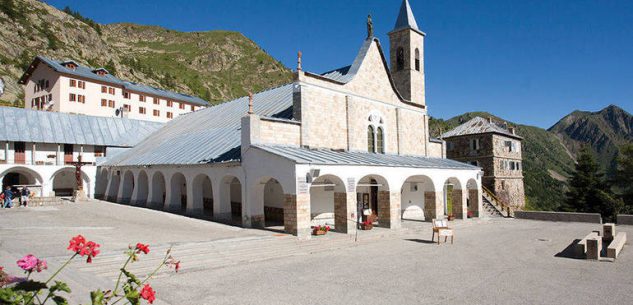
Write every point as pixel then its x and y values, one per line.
pixel 546 162
pixel 605 131
pixel 215 65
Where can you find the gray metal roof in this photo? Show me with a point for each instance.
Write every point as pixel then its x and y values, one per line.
pixel 209 135
pixel 25 125
pixel 87 72
pixel 346 74
pixel 330 157
pixel 478 125
pixel 406 20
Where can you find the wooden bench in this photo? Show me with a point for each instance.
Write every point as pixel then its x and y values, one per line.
pixel 616 245
pixel 581 247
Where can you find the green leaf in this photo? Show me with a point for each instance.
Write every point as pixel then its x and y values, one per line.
pixel 133 296
pixel 131 277
pixel 60 300
pixel 97 297
pixel 30 286
pixel 61 286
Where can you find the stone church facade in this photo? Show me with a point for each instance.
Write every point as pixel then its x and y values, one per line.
pixel 325 149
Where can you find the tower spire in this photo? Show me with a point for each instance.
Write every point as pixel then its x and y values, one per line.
pixel 406 20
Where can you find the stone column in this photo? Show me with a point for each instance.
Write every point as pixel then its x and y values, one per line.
pixel 475 202
pixel 297 215
pixel 255 207
pixel 433 206
pixel 389 209
pixel 191 209
pixel 459 204
pixel 134 198
pixel 345 212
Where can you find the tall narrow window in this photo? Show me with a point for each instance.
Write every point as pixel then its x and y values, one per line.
pixel 371 147
pixel 380 143
pixel 417 59
pixel 400 59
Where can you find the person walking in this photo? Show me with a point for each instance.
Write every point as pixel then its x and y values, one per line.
pixel 8 196
pixel 25 196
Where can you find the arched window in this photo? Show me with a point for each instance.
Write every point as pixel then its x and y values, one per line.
pixel 380 144
pixel 400 59
pixel 371 147
pixel 417 59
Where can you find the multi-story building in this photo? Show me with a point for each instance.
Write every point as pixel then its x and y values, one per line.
pixel 37 148
pixel 496 148
pixel 65 86
pixel 333 148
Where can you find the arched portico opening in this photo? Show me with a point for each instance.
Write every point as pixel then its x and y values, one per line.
pixel 474 198
pixel 273 196
pixel 127 187
pixel 113 188
pixel 418 198
pixel 101 183
pixel 454 205
pixel 203 195
pixel 374 200
pixel 329 204
pixel 142 191
pixel 64 182
pixel 21 176
pixel 230 208
pixel 158 191
pixel 178 191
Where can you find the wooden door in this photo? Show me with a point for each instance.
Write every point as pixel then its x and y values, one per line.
pixel 68 153
pixel 373 194
pixel 20 155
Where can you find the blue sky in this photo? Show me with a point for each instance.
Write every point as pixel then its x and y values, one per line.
pixel 530 62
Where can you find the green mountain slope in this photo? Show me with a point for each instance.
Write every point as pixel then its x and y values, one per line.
pixel 546 162
pixel 605 131
pixel 215 65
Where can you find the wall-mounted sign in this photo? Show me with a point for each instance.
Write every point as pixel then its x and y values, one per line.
pixel 351 185
pixel 302 186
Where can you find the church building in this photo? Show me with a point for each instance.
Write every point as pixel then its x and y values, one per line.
pixel 326 148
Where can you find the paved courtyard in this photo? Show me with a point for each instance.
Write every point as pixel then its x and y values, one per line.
pixel 496 261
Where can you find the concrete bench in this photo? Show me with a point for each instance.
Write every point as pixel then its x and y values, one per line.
pixel 616 245
pixel 581 247
pixel 45 201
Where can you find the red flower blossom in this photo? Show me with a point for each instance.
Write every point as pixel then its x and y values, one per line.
pixel 177 266
pixel 148 293
pixel 79 245
pixel 142 248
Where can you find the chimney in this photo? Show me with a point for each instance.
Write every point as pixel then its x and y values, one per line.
pixel 250 103
pixel 490 119
pixel 299 54
pixel 512 130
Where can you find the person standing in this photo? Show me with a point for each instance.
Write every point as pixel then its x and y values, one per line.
pixel 8 197
pixel 25 196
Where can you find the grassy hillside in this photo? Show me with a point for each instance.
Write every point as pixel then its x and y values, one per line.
pixel 546 163
pixel 215 65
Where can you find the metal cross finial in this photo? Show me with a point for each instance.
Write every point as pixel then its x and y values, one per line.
pixel 250 103
pixel 370 27
pixel 299 54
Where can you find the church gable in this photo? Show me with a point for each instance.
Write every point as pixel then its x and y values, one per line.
pixel 372 76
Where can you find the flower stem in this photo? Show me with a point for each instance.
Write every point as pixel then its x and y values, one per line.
pixel 51 278
pixel 118 281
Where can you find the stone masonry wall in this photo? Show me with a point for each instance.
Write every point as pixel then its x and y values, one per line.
pixel 389 209
pixel 278 132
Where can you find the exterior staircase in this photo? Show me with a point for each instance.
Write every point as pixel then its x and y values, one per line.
pixel 495 207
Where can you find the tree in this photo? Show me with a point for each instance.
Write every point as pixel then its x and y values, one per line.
pixel 624 176
pixel 588 190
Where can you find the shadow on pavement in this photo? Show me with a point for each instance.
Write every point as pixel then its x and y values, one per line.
pixel 422 241
pixel 570 251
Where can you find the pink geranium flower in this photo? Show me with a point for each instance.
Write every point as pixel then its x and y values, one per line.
pixel 28 263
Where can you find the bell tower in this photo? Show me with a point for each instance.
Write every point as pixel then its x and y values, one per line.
pixel 406 52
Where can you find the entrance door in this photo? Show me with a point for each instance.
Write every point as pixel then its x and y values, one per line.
pixel 373 195
pixel 68 153
pixel 20 156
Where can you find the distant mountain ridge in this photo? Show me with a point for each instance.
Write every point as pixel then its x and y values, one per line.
pixel 605 131
pixel 213 65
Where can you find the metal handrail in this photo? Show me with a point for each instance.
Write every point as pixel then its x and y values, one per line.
pixel 507 208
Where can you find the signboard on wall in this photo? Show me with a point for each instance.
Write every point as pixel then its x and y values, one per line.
pixel 351 185
pixel 302 186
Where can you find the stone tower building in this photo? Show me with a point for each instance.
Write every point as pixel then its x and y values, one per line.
pixel 495 148
pixel 407 56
